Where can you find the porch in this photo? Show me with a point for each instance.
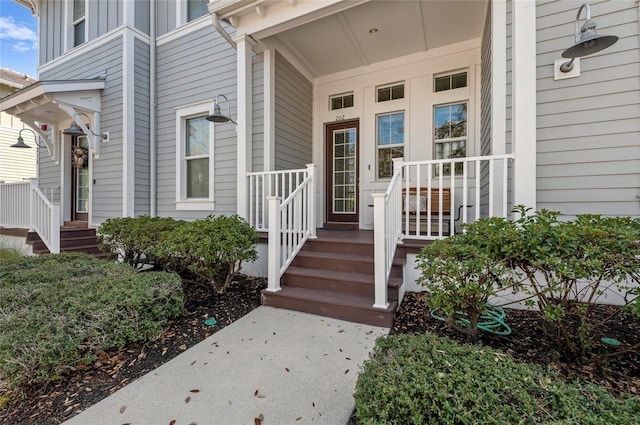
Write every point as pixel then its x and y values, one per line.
pixel 359 274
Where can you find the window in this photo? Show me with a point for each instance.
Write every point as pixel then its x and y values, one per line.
pixel 79 22
pixel 390 92
pixel 389 141
pixel 196 9
pixel 194 171
pixel 341 101
pixel 450 134
pixel 450 81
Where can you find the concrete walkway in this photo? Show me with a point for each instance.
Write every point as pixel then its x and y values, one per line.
pixel 289 367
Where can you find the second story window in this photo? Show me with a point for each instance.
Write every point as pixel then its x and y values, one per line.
pixel 79 22
pixel 196 9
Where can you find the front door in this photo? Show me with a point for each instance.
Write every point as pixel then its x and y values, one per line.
pixel 342 172
pixel 80 179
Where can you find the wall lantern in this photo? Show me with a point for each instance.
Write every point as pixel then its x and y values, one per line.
pixel 587 42
pixel 217 115
pixel 21 144
pixel 75 130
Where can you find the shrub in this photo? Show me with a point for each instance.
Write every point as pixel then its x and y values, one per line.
pixel 134 238
pixel 420 379
pixel 60 310
pixel 463 271
pixel 211 249
pixel 570 265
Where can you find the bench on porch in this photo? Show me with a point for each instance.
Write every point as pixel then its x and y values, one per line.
pixel 420 204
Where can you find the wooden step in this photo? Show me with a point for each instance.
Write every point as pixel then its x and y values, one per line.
pixel 72 239
pixel 339 282
pixel 349 307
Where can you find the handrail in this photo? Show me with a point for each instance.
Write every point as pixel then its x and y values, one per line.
pixel 291 223
pixel 45 220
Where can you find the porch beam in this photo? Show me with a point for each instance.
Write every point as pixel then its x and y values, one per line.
pixel 245 121
pixel 524 103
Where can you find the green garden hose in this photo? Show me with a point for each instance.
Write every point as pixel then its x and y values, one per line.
pixel 492 320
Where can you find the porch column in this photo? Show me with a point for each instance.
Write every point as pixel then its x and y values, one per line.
pixel 245 121
pixel 269 57
pixel 524 102
pixel 499 95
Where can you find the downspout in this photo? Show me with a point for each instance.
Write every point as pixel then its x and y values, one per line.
pixel 221 31
pixel 153 167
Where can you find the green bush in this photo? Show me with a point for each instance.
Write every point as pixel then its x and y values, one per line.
pixel 424 379
pixel 570 265
pixel 463 271
pixel 212 249
pixel 59 310
pixel 134 238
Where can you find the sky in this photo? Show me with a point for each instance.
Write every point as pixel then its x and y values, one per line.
pixel 18 38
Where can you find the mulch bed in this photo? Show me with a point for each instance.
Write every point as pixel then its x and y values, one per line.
pixel 88 384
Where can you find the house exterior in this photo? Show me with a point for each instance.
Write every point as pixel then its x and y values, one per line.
pixel 15 164
pixel 397 116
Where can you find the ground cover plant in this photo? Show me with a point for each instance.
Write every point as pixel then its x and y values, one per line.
pixel 59 311
pixel 418 379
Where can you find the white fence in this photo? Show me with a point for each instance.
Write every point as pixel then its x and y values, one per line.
pixel 271 183
pixel 24 206
pixel 291 223
pixel 425 199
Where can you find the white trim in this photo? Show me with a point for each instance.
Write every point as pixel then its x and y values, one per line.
pixel 129 13
pixel 269 109
pixel 524 103
pixel 92 45
pixel 245 122
pixel 183 113
pixel 498 77
pixel 128 125
pixel 185 29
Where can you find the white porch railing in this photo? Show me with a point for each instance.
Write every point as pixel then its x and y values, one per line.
pixel 291 223
pixel 478 183
pixel 24 206
pixel 271 183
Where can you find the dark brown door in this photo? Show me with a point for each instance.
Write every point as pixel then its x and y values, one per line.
pixel 79 179
pixel 342 171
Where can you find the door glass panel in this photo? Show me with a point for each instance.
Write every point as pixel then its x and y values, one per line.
pixel 82 182
pixel 344 172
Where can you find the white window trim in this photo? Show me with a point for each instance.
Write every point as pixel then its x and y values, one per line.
pixel 69 34
pixel 397 145
pixel 182 13
pixel 390 85
pixel 468 148
pixel 341 95
pixel 182 114
pixel 451 74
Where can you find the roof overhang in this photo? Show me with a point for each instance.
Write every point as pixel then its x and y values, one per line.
pixel 57 102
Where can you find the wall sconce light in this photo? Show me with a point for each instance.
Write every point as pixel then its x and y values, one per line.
pixel 217 115
pixel 75 130
pixel 587 42
pixel 21 144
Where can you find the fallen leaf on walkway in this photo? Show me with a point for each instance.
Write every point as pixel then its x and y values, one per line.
pixel 194 391
pixel 122 409
pixel 298 418
pixel 187 400
pixel 346 371
pixel 257 421
pixel 287 369
pixel 173 422
pixel 340 331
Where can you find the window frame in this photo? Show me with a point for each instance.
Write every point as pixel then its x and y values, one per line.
pixel 450 74
pixel 71 24
pixel 182 115
pixel 182 13
pixel 391 86
pixel 341 96
pixel 450 139
pixel 379 147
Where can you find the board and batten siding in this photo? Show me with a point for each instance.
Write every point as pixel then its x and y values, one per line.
pixel 588 128
pixel 142 131
pixel 293 116
pixel 101 18
pixel 192 69
pixel 107 170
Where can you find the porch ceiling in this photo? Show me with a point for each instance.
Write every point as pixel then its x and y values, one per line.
pixel 343 41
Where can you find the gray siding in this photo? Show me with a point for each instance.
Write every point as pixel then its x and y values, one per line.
pixel 588 128
pixel 258 114
pixel 142 133
pixel 192 69
pixel 107 170
pixel 143 17
pixel 101 17
pixel 293 114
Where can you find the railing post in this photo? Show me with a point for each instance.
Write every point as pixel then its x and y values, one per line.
pixel 379 251
pixel 55 229
pixel 274 249
pixel 32 204
pixel 311 205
